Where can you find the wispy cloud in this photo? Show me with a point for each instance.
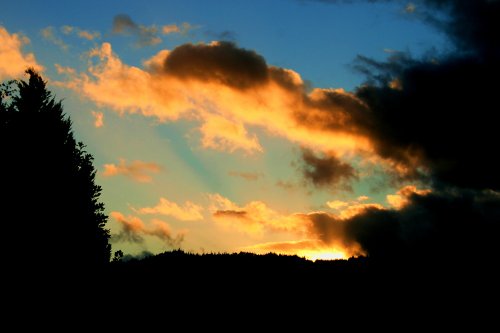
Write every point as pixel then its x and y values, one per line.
pixel 85 34
pixel 49 33
pixel 410 8
pixel 136 170
pixel 187 212
pixel 13 61
pixel 183 29
pixel 98 121
pixel 250 176
pixel 134 230
pixel 146 36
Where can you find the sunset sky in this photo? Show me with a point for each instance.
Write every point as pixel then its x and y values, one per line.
pixel 231 125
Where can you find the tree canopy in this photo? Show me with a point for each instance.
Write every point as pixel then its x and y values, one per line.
pixel 51 213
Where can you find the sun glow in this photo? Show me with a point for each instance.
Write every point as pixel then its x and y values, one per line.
pixel 332 254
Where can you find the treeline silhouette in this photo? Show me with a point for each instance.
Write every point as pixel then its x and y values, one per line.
pixel 52 219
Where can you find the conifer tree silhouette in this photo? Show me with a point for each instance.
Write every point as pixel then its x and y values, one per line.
pixel 51 214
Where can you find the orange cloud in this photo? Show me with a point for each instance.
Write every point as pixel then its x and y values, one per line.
pixel 356 209
pixel 136 170
pixel 348 209
pixel 133 230
pixel 253 218
pixel 64 69
pixel 13 62
pixel 188 212
pixel 229 91
pixel 98 119
pixel 182 29
pixel 337 204
pixel 132 227
pixel 314 235
pixel 401 198
pixel 89 35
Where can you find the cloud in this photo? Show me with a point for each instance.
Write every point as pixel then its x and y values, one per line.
pixel 430 225
pixel 326 171
pixel 85 34
pixel 146 36
pixel 436 225
pixel 169 29
pixel 286 185
pixel 337 204
pixel 98 123
pixel 136 170
pixel 347 209
pixel 402 198
pixel 89 35
pixel 427 120
pixel 255 218
pixel 229 91
pixel 410 8
pixel 450 225
pixel 64 69
pixel 67 29
pixel 182 29
pixel 221 62
pixel 447 132
pixel 13 62
pixel 49 34
pixel 163 231
pixel 133 230
pixel 250 176
pixel 471 24
pixel 188 212
pixel 132 227
pixel 220 133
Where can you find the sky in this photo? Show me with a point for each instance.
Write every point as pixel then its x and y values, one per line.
pixel 290 126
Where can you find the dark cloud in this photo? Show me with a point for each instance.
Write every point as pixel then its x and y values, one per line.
pixel 473 25
pixel 146 36
pixel 460 224
pixel 222 62
pixel 326 171
pixel 440 122
pixel 432 117
pixel 127 235
pixel 435 118
pixel 330 230
pixel 240 214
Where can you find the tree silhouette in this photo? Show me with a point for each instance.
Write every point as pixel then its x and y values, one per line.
pixel 51 214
